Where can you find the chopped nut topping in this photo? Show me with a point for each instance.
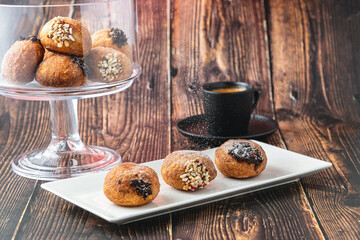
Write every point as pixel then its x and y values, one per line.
pixel 110 67
pixel 61 32
pixel 142 187
pixel 196 175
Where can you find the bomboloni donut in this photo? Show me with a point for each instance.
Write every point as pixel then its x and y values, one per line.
pixel 48 54
pixel 66 35
pixel 240 159
pixel 21 60
pixel 61 70
pixel 130 184
pixel 108 65
pixel 112 38
pixel 188 170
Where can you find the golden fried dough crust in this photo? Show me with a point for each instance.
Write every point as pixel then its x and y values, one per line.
pixel 48 54
pixel 174 166
pixel 102 38
pixel 60 70
pixel 97 55
pixel 230 167
pixel 80 34
pixel 118 189
pixel 21 60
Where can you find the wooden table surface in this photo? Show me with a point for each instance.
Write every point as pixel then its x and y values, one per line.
pixel 304 55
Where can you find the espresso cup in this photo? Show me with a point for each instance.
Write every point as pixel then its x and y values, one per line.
pixel 228 106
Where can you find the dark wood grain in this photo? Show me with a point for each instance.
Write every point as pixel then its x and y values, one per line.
pixel 304 55
pixel 131 122
pixel 227 41
pixel 216 41
pixel 24 126
pixel 271 214
pixel 314 51
pixel 21 131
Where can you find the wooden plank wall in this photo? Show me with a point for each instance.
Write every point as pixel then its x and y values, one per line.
pixel 131 122
pixel 315 57
pixel 302 54
pixel 229 41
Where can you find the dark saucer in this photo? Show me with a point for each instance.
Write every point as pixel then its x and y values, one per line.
pixel 195 129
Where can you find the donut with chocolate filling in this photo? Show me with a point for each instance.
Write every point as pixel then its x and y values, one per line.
pixel 240 159
pixel 130 184
pixel 21 60
pixel 112 38
pixel 59 70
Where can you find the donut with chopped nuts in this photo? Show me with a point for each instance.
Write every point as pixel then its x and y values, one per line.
pixel 21 60
pixel 240 159
pixel 112 38
pixel 130 184
pixel 61 70
pixel 66 35
pixel 108 65
pixel 188 170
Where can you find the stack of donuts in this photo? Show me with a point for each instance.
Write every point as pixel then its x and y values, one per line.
pixel 66 55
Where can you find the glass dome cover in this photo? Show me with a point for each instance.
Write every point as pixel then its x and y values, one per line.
pixel 30 17
pixel 73 53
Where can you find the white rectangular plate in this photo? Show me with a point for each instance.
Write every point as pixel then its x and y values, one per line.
pixel 283 166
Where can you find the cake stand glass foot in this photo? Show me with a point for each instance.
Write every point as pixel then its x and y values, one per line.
pixel 66 156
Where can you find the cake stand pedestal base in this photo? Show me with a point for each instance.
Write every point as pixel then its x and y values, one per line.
pixel 66 156
pixel 52 165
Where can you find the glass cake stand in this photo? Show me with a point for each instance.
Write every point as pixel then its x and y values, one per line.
pixel 66 155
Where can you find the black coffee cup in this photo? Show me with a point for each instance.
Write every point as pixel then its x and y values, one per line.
pixel 228 106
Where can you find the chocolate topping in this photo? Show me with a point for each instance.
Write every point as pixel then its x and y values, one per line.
pixel 31 38
pixel 118 36
pixel 243 152
pixel 80 63
pixel 142 187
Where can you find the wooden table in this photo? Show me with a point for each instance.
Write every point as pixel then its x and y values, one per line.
pixel 304 55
